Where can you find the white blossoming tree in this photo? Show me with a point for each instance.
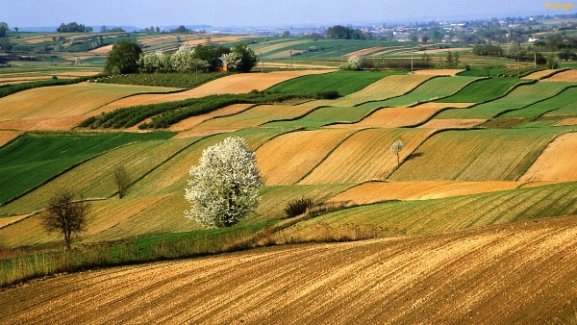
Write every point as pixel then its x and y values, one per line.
pixel 224 186
pixel 396 148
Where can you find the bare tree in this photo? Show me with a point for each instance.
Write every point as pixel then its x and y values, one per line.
pixel 122 181
pixel 65 215
pixel 396 148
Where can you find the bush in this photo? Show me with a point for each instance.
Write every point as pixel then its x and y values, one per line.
pixel 123 58
pixel 298 206
pixel 329 94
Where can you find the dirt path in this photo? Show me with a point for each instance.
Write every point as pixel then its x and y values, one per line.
pixel 519 273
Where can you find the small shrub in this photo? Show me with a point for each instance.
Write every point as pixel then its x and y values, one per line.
pixel 54 77
pixel 298 206
pixel 329 94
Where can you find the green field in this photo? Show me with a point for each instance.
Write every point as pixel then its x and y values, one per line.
pixel 455 213
pixel 483 90
pixel 519 98
pixel 34 158
pixel 566 100
pixel 344 82
pixel 430 90
pixel 476 155
pixel 174 80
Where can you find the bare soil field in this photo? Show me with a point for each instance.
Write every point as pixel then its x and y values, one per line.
pixel 565 76
pixel 7 136
pixel 233 84
pixel 518 273
pixel 373 192
pixel 568 122
pixel 540 74
pixel 438 72
pixel 556 163
pixel 452 123
pixel 48 124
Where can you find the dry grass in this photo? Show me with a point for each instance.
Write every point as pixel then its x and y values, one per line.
pixel 494 276
pixel 233 84
pixel 8 135
pixel 557 163
pixel 366 51
pixel 286 159
pixel 568 122
pixel 540 74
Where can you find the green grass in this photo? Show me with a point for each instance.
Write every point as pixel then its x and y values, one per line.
pixel 175 80
pixel 519 98
pixel 430 90
pixel 483 90
pixel 344 82
pixel 137 250
pixel 35 158
pixel 489 72
pixel 327 115
pixel 460 212
pixel 477 155
pixel 566 100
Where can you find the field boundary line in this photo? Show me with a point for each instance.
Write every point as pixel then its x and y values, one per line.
pixel 327 155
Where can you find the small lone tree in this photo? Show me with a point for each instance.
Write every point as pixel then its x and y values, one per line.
pixel 396 148
pixel 223 188
pixel 122 181
pixel 65 215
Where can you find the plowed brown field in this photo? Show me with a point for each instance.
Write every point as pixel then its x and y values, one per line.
pixel 386 191
pixel 540 74
pixel 286 159
pixel 565 76
pixel 557 163
pixel 52 124
pixel 518 273
pixel 568 122
pixel 233 84
pixel 191 122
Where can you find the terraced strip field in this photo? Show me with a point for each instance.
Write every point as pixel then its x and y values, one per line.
pixel 8 135
pixel 439 72
pixel 519 98
pixel 286 159
pixel 344 82
pixel 191 122
pixel 452 123
pixel 488 276
pixel 557 163
pixel 483 90
pixel 327 115
pixel 94 178
pixel 449 214
pixel 385 88
pixel 34 158
pixel 233 84
pixel 392 117
pixel 431 90
pixel 64 101
pixel 256 116
pixel 565 101
pixel 172 176
pixel 542 74
pixel 564 76
pixel 568 122
pixel 365 156
pixel 476 155
pixel 373 192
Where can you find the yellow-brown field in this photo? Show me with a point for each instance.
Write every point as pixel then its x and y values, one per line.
pixel 557 163
pixel 7 136
pixel 464 277
pixel 564 76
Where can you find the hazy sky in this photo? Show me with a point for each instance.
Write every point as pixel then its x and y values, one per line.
pixel 28 13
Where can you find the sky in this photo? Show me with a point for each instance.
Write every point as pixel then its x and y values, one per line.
pixel 140 13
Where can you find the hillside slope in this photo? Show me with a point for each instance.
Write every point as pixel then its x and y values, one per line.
pixel 518 273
